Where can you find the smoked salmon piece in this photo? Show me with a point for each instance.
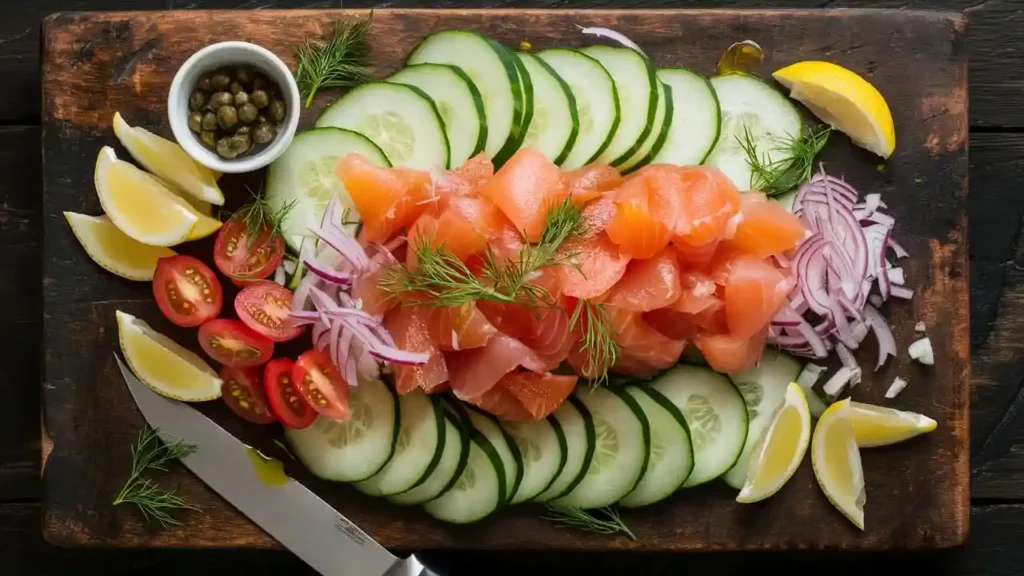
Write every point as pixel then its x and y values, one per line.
pixel 549 336
pixel 525 189
pixel 481 213
pixel 450 230
pixel 597 265
pixel 765 228
pixel 697 293
pixel 673 324
pixel 642 222
pixel 590 182
pixel 597 215
pixel 500 402
pixel 373 298
pixel 460 327
pixel 474 372
pixel 387 199
pixel 539 394
pixel 754 292
pixel 642 349
pixel 648 284
pixel 410 328
pixel 709 201
pixel 728 354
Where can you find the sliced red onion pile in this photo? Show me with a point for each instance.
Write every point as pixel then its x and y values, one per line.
pixel 355 340
pixel 837 266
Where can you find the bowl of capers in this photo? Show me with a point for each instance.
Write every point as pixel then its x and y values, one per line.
pixel 234 106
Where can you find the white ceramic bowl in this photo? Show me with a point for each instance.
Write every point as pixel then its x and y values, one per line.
pixel 226 54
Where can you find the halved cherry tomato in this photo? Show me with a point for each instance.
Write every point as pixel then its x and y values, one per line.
pixel 266 306
pixel 233 344
pixel 321 385
pixel 186 290
pixel 243 393
pixel 243 260
pixel 285 402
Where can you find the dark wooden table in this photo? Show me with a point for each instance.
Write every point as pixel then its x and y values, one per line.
pixel 996 34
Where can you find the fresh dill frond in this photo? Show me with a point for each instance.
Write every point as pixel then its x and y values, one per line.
pixel 598 338
pixel 148 454
pixel 260 218
pixel 601 521
pixel 794 163
pixel 439 278
pixel 339 61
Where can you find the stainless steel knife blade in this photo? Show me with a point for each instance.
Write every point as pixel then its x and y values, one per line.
pixel 292 514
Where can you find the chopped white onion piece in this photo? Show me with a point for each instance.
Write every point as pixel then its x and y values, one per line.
pixel 922 351
pixel 290 265
pixel 838 382
pixel 919 327
pixel 809 376
pixel 896 387
pixel 280 276
pixel 611 35
pixel 896 276
pixel 876 300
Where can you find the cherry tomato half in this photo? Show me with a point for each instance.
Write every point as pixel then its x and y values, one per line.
pixel 186 290
pixel 266 307
pixel 243 393
pixel 285 402
pixel 243 260
pixel 233 344
pixel 321 385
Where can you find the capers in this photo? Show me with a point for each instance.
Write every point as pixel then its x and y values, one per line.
pixel 235 108
pixel 195 121
pixel 277 110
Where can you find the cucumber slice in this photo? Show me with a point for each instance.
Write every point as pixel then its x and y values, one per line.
pixel 478 491
pixel 453 461
pixel 421 440
pixel 402 120
pixel 671 451
pixel 597 103
pixel 504 445
pixel 750 106
pixel 696 118
pixel 304 174
pixel 458 101
pixel 541 444
pixel 354 449
pixel 492 67
pixel 763 388
pixel 715 415
pixel 622 442
pixel 578 427
pixel 637 87
pixel 656 139
pixel 555 123
pixel 526 112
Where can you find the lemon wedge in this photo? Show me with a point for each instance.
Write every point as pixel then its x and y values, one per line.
pixel 843 99
pixel 114 250
pixel 168 161
pixel 880 426
pixel 780 449
pixel 164 365
pixel 836 462
pixel 139 205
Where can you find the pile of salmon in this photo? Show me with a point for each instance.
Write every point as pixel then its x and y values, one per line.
pixel 675 255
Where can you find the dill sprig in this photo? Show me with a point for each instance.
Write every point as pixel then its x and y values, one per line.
pixel 794 164
pixel 602 520
pixel 148 454
pixel 440 278
pixel 598 338
pixel 259 217
pixel 339 61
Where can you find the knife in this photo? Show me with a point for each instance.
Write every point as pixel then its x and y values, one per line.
pixel 292 514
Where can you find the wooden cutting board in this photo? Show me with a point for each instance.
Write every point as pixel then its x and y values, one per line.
pixel 917 493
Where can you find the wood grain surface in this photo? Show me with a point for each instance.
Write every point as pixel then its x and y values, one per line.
pixel 95 64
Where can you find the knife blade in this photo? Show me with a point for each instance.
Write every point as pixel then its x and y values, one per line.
pixel 292 514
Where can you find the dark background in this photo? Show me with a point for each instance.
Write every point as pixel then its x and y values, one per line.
pixel 996 543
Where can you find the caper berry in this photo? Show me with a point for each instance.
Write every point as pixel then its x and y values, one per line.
pixel 224 148
pixel 209 121
pixel 204 83
pixel 236 87
pixel 227 117
pixel 195 121
pixel 263 133
pixel 259 81
pixel 259 98
pixel 241 144
pixel 221 99
pixel 197 99
pixel 276 110
pixel 220 80
pixel 208 138
pixel 243 130
pixel 247 113
pixel 241 98
pixel 244 75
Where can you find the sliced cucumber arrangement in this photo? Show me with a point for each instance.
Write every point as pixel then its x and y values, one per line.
pixel 695 119
pixel 478 491
pixel 542 447
pixel 637 88
pixel 453 461
pixel 656 139
pixel 716 416
pixel 555 123
pixel 578 428
pixel 597 103
pixel 459 102
pixel 304 174
pixel 493 70
pixel 421 440
pixel 752 112
pixel 763 388
pixel 353 449
pixel 504 445
pixel 622 439
pixel 671 459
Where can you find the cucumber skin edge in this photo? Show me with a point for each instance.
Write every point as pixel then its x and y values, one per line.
pixel 645 430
